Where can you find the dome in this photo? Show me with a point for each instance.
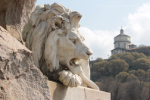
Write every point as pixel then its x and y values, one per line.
pixel 122 37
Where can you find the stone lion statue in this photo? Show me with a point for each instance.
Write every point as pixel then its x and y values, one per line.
pixel 58 47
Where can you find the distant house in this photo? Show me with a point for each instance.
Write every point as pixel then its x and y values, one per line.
pixel 145 50
pixel 131 46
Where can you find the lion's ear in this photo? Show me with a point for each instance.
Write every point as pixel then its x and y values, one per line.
pixel 74 19
pixel 51 50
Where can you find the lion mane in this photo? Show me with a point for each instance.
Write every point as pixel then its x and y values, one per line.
pixel 44 20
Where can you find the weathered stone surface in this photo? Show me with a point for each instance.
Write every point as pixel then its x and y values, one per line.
pixel 14 14
pixel 61 92
pixel 19 78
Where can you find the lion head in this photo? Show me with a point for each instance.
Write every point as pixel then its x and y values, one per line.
pixel 53 36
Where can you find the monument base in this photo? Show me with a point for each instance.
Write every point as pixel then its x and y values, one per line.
pixel 61 92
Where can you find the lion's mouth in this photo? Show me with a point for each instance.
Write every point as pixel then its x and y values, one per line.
pixel 74 62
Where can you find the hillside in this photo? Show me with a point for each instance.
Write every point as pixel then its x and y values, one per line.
pixel 125 75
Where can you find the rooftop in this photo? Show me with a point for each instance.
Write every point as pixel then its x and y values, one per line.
pixel 139 48
pixel 122 33
pixel 131 45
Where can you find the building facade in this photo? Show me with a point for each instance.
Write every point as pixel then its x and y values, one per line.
pixel 132 46
pixel 121 43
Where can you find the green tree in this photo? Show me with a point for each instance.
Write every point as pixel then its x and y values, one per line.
pixel 132 72
pixel 99 70
pixel 127 57
pixel 122 76
pixel 113 57
pixel 138 55
pixel 141 63
pixel 142 55
pixel 115 66
pixel 101 67
pixel 119 55
pixel 147 75
pixel 140 73
pixel 99 60
pixel 132 77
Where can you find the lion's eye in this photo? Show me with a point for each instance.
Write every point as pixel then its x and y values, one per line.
pixel 73 40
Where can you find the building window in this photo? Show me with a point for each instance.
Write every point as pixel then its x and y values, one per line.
pixel 118 44
pixel 124 44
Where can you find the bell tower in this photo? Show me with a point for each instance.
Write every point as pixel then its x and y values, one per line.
pixel 121 31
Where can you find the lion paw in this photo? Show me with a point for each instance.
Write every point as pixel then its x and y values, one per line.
pixel 69 79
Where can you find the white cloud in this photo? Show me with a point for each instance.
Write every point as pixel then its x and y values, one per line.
pixel 137 27
pixel 101 42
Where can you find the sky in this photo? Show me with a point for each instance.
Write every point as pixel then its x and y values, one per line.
pixel 102 20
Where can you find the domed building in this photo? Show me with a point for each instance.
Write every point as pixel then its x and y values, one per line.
pixel 121 43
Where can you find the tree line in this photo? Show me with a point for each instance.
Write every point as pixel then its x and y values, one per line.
pixel 125 75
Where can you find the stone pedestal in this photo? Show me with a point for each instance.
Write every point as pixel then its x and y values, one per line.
pixel 61 92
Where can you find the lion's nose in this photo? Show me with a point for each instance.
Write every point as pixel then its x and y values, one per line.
pixel 89 52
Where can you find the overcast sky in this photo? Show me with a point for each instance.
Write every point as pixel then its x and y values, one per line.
pixel 102 19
